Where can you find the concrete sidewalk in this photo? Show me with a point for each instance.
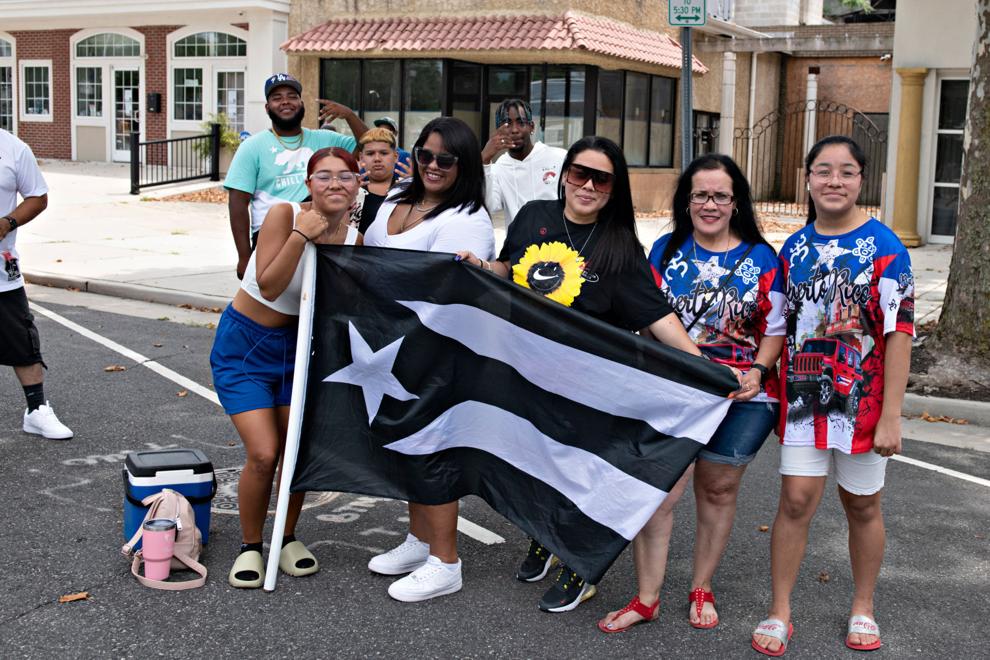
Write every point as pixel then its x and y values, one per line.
pixel 97 238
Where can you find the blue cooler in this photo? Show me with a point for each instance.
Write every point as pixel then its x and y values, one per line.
pixel 187 471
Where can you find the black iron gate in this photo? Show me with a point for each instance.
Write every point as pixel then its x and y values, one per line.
pixel 157 162
pixel 772 153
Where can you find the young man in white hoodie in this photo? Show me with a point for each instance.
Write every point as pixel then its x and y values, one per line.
pixel 527 170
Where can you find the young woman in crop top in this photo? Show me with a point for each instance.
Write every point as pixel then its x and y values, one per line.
pixel 254 351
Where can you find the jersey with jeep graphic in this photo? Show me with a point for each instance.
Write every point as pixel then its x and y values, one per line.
pixel 549 258
pixel 844 295
pixel 734 319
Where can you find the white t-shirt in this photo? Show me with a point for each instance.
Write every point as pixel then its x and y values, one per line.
pixel 451 231
pixel 19 175
pixel 511 183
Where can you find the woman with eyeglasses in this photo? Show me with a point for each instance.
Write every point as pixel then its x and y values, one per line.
pixel 442 209
pixel 849 323
pixel 721 276
pixel 581 250
pixel 254 351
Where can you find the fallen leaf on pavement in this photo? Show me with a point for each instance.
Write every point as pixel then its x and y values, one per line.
pixel 68 598
pixel 764 528
pixel 157 344
pixel 182 393
pixel 231 444
pixel 943 418
pixel 824 577
pixel 114 367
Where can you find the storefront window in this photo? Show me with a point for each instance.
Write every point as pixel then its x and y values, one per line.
pixel 953 99
pixel 610 105
pixel 637 118
pixel 465 94
pixel 564 111
pixel 381 91
pixel 89 91
pixel 662 121
pixel 422 102
pixel 340 81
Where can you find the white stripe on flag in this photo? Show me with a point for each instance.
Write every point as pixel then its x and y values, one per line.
pixel 600 490
pixel 669 407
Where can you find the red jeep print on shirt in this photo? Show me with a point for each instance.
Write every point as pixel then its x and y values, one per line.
pixel 732 355
pixel 830 371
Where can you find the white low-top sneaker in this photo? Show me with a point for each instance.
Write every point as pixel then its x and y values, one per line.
pixel 430 580
pixel 401 559
pixel 43 421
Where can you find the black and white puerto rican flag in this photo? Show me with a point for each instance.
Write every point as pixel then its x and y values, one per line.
pixel 430 380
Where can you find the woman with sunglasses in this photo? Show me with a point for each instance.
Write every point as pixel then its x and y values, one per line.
pixel 254 351
pixel 850 321
pixel 440 210
pixel 719 273
pixel 581 250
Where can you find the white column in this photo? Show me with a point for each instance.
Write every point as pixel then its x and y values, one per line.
pixel 750 119
pixel 727 122
pixel 268 30
pixel 810 130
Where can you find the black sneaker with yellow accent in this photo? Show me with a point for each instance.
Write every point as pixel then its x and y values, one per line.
pixel 537 563
pixel 568 591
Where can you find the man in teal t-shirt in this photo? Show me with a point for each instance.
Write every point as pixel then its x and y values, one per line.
pixel 270 167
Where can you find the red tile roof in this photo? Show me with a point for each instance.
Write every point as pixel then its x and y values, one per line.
pixel 572 31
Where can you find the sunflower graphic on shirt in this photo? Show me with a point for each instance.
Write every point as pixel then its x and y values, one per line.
pixel 552 270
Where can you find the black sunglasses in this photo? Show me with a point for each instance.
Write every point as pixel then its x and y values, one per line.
pixel 578 175
pixel 444 161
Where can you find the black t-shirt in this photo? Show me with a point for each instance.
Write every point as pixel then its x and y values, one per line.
pixel 543 259
pixel 369 210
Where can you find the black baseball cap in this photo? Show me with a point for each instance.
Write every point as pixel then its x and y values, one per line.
pixel 282 80
pixel 387 121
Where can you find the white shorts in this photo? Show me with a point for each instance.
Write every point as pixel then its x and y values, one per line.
pixel 859 474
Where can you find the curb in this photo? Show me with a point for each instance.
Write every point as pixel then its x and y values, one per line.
pixel 129 291
pixel 975 412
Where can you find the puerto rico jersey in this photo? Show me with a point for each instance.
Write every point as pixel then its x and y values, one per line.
pixel 734 320
pixel 844 295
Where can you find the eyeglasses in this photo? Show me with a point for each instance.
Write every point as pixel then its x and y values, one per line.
pixel 579 175
pixel 720 198
pixel 344 178
pixel 844 175
pixel 444 161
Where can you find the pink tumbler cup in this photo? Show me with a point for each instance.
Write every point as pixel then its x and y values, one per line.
pixel 158 543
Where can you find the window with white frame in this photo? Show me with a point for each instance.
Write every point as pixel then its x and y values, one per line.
pixel 952 104
pixel 208 71
pixel 108 44
pixel 36 88
pixel 89 91
pixel 6 85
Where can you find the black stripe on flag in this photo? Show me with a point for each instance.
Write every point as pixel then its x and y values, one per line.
pixel 431 380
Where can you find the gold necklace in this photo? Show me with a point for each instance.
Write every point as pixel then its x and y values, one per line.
pixel 287 146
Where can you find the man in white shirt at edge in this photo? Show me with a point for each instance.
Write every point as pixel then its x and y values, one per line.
pixel 527 170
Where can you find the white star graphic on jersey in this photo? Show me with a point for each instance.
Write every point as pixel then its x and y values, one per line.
pixel 372 372
pixel 274 150
pixel 827 253
pixel 710 271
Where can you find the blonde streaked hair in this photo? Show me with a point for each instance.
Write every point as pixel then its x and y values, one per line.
pixel 378 134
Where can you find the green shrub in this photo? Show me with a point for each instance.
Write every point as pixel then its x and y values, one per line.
pixel 229 138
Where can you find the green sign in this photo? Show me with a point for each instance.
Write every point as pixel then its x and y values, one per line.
pixel 686 13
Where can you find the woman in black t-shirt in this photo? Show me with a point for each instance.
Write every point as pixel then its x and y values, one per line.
pixel 582 251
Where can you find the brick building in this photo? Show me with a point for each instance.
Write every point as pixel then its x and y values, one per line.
pixel 76 79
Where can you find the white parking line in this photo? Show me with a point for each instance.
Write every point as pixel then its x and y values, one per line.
pixel 941 470
pixel 477 532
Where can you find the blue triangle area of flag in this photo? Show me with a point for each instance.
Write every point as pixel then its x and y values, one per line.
pixel 430 380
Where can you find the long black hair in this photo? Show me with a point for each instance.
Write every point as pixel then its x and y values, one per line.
pixel 469 187
pixel 618 246
pixel 742 222
pixel 855 151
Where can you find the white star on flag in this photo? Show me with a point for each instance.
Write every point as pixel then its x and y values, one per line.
pixel 372 372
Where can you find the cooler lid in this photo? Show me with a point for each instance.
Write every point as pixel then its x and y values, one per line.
pixel 149 463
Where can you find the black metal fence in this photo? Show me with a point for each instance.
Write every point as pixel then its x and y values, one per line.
pixel 157 162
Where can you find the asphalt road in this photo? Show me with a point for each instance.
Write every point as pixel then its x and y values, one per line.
pixel 61 520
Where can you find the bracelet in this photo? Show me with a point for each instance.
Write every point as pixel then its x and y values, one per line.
pixel 13 222
pixel 308 239
pixel 484 264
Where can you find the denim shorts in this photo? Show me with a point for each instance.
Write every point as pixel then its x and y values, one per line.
pixel 252 364
pixel 741 434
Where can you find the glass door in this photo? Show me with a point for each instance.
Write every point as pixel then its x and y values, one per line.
pixel 953 99
pixel 126 111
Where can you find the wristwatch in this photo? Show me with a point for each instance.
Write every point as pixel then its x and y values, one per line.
pixel 763 371
pixel 13 222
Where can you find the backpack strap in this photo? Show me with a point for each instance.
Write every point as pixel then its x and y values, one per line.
pixel 191 563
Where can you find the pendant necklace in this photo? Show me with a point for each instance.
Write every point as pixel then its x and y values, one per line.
pixel 709 293
pixel 567 231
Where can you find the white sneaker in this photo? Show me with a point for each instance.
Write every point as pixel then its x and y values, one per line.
pixel 402 559
pixel 430 580
pixel 44 422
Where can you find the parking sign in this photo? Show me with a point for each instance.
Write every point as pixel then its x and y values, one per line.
pixel 686 13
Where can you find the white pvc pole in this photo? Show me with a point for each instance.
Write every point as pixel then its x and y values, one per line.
pixel 296 404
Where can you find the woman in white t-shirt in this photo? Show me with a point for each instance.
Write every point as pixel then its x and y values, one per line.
pixel 441 210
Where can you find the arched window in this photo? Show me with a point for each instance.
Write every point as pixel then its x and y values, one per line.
pixel 210 44
pixel 6 49
pixel 208 70
pixel 108 44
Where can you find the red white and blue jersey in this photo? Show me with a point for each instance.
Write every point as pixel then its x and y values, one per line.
pixel 732 320
pixel 844 295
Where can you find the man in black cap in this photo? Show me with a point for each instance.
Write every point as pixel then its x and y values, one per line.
pixel 270 167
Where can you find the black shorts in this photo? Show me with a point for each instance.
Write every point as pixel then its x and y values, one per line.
pixel 20 345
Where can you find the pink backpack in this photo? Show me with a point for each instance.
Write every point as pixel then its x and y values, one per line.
pixel 188 540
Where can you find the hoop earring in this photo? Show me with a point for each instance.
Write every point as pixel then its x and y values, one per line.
pixel 735 211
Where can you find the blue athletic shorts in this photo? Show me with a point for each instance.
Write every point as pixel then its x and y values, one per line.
pixel 252 364
pixel 741 434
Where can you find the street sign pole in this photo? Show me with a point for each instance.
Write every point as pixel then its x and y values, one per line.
pixel 687 95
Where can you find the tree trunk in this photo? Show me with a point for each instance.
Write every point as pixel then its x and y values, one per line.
pixel 964 327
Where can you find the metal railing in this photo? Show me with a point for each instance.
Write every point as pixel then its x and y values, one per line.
pixel 158 162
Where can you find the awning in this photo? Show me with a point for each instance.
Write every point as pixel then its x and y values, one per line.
pixel 411 35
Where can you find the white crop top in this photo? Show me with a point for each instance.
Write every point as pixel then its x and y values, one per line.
pixel 288 300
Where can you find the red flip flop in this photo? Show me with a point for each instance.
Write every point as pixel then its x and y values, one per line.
pixel 773 628
pixel 863 625
pixel 699 597
pixel 649 613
